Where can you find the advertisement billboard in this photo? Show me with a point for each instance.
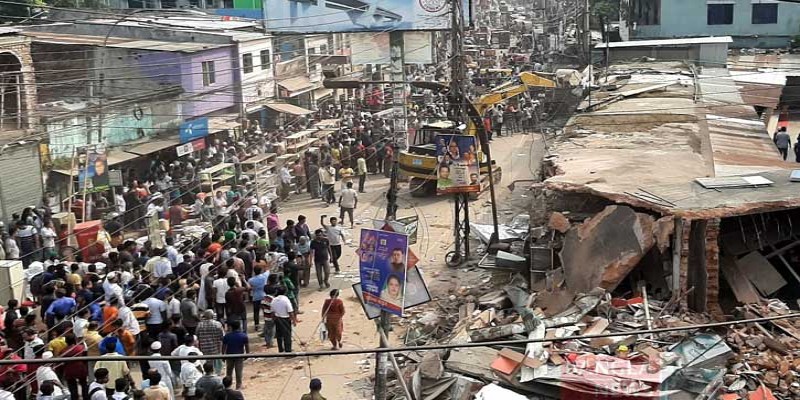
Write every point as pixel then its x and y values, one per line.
pixel 458 169
pixel 382 266
pixel 194 129
pixel 325 16
pixel 93 170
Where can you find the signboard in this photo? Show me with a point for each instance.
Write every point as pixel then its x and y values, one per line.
pixel 115 178
pixel 418 47
pixel 416 293
pixel 328 16
pixel 191 147
pixel 382 266
pixel 407 225
pixel 194 129
pixel 93 170
pixel 457 170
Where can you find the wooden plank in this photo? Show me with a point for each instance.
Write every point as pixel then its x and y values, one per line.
pixel 520 358
pixel 744 291
pixel 597 327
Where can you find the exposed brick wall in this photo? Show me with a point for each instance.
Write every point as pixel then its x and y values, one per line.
pixel 20 47
pixel 712 267
pixel 684 263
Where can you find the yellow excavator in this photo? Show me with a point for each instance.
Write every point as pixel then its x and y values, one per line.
pixel 418 163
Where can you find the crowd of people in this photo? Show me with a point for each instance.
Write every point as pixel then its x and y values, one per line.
pixel 195 295
pixel 183 295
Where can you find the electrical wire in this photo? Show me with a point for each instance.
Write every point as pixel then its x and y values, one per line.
pixel 516 342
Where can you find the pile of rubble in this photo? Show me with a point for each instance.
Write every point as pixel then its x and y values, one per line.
pixel 595 346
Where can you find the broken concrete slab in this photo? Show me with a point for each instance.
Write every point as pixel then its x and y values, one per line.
pixel 472 362
pixel 604 249
pixel 761 273
pixel 495 332
pixel 431 366
pixel 559 222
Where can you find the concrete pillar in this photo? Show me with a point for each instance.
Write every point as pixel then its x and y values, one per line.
pixel 712 267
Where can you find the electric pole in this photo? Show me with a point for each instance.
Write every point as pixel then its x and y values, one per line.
pixel 398 87
pixel 459 116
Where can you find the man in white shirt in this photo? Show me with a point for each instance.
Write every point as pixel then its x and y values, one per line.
pixel 286 182
pixel 335 237
pixel 173 255
pixel 111 288
pixel 97 389
pixel 285 317
pixel 328 176
pixel 158 265
pixel 220 287
pixel 156 319
pixel 348 201
pixel 48 240
pixel 129 321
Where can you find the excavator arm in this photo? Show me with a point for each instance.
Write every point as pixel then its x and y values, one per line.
pixel 511 89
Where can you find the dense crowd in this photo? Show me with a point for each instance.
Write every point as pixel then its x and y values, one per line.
pixel 184 294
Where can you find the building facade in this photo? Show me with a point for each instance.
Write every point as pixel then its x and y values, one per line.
pixel 751 23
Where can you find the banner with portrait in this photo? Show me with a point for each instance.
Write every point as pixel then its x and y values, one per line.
pixel 382 266
pixel 93 170
pixel 457 168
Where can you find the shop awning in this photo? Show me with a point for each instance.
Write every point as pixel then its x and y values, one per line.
pixel 118 157
pixel 322 93
pixel 289 109
pixel 296 85
pixel 329 59
pixel 154 146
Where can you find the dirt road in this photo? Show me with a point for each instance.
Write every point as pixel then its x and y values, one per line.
pixel 287 379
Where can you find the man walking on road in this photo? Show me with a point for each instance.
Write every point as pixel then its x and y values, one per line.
pixel 235 342
pixel 348 200
pixel 285 318
pixel 320 248
pixel 333 233
pixel 361 172
pixel 782 141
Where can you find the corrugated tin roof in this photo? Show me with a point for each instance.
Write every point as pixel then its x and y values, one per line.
pixel 5 30
pixel 668 42
pixel 119 42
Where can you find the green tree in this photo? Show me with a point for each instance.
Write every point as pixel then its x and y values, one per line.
pixel 18 10
pixel 609 10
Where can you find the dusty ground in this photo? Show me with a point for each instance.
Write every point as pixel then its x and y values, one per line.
pixel 343 377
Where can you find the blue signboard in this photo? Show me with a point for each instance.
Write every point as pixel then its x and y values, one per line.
pixel 382 266
pixel 194 129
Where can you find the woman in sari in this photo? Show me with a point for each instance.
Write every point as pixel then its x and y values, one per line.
pixel 333 311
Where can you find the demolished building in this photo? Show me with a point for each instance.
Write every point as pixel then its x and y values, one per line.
pixel 669 172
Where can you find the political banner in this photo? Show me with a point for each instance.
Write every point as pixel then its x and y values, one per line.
pixel 93 170
pixel 457 169
pixel 303 16
pixel 416 293
pixel 382 266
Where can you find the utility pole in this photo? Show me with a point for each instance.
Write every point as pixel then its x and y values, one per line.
pixel 459 116
pixel 397 71
pixel 587 33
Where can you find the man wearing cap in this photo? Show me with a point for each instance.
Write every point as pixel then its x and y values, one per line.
pixel 253 210
pixel 163 368
pixel 315 387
